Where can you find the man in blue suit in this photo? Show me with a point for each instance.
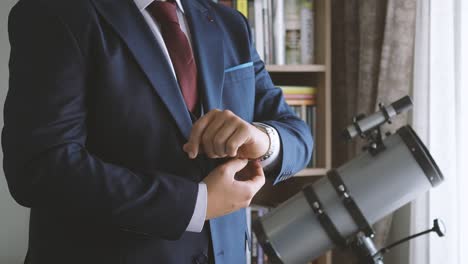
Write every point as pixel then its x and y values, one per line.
pixel 137 131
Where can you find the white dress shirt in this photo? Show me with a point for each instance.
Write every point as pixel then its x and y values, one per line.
pixel 199 215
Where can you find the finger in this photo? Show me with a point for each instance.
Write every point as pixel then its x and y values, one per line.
pixel 257 177
pixel 248 172
pixel 236 141
pixel 209 134
pixel 193 144
pixel 221 137
pixel 235 165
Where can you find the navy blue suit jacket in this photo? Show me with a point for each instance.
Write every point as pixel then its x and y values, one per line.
pixel 95 123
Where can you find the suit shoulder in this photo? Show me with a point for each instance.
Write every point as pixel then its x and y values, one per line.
pixel 65 7
pixel 75 15
pixel 69 12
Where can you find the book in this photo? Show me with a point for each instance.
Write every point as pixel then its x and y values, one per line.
pixel 267 31
pixel 242 6
pixel 307 31
pixel 311 121
pixel 301 102
pixel 254 246
pixel 279 32
pixel 299 97
pixel 293 31
pixel 248 252
pixel 282 30
pixel 258 255
pixel 251 19
pixel 299 90
pixel 259 28
pixel 261 257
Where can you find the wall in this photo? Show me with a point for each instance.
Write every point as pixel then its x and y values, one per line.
pixel 400 229
pixel 13 218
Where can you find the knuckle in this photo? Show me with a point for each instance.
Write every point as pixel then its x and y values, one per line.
pixel 244 129
pixel 231 146
pixel 228 112
pixel 262 180
pixel 218 153
pixel 206 138
pixel 218 141
pixel 197 126
pixel 252 193
pixel 223 169
pixel 249 195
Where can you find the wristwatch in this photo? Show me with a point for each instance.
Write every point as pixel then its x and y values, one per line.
pixel 270 132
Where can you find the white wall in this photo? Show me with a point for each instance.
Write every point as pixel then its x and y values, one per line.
pixel 13 218
pixel 400 229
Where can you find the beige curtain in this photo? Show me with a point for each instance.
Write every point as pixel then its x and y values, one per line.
pixel 372 62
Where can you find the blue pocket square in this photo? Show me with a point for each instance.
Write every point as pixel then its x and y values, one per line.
pixel 238 67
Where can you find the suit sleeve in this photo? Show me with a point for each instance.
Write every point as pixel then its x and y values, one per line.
pixel 272 109
pixel 46 162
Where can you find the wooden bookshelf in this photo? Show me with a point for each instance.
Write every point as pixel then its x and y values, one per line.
pixel 317 75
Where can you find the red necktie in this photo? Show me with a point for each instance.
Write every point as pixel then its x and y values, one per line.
pixel 180 52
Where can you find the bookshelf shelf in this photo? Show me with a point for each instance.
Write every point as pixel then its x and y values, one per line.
pixel 297 68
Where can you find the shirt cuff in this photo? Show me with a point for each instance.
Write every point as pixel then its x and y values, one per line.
pixel 199 214
pixel 273 160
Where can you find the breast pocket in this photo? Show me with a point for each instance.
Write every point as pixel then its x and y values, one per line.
pixel 239 90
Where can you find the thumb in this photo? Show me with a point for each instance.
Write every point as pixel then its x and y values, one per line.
pixel 235 165
pixel 257 176
pixel 259 179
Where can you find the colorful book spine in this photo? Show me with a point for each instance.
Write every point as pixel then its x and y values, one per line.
pixel 305 102
pixel 243 7
pixel 299 96
pixel 299 90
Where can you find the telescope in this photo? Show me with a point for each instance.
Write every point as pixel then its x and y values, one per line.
pixel 339 209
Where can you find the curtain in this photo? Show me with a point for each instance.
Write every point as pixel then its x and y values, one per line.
pixel 372 50
pixel 441 120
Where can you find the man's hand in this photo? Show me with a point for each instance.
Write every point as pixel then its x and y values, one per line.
pixel 221 134
pixel 232 185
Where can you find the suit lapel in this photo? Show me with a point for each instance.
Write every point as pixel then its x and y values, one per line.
pixel 207 42
pixel 128 22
